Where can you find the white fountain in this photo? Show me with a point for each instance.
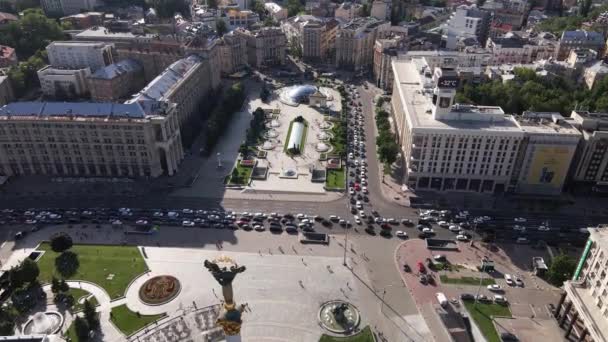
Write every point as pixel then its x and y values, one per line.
pixel 44 323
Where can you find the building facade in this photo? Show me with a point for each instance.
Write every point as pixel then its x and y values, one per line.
pixel 314 37
pixel 88 139
pixel 185 83
pixel 582 310
pixel 83 21
pixel 116 81
pixel 592 159
pixel 381 9
pixel 265 47
pixel 385 50
pixel 595 73
pixel 466 22
pixel 572 40
pixel 275 10
pixel 355 43
pixel 348 11
pixel 61 84
pixel 232 49
pixel 78 55
pixel 517 49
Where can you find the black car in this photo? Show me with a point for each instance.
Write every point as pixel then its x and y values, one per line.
pixel 385 233
pixel 375 213
pixel 467 296
pixel 507 336
pixel 370 230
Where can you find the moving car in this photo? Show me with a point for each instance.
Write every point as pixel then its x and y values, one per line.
pixel 461 237
pixel 401 234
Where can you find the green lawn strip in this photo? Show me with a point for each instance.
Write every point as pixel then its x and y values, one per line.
pixel 482 314
pixel 78 294
pixel 335 178
pixel 97 262
pixel 287 137
pixel 245 173
pixel 128 321
pixel 70 334
pixel 303 141
pixel 466 280
pixel 364 336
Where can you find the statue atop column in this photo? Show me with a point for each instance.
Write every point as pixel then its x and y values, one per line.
pixel 224 270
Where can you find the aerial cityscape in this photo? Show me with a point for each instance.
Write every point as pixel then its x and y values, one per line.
pixel 303 170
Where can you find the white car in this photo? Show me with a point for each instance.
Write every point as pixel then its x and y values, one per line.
pixel 364 190
pixel 187 211
pixel 519 282
pixel 351 191
pixel 428 230
pixel 443 224
pixel 259 228
pixel 362 214
pixel 519 228
pixel 454 229
pixel 519 220
pixel 494 287
pixel 141 222
pixel 544 228
pixel 401 234
pixel 187 223
pixel 461 237
pixel 357 219
pixel 158 214
pixel 359 205
pixel 301 216
pixel 500 299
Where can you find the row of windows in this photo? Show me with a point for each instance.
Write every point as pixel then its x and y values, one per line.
pixel 76 126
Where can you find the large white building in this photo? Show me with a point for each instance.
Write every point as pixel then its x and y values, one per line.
pixel 89 139
pixel 455 147
pixel 583 308
pixel 78 55
pixel 61 84
pixel 466 22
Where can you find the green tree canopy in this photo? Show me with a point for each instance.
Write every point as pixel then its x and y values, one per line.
pixel 220 27
pixel 82 329
pixel 33 32
pixel 61 242
pixel 561 269
pixel 294 7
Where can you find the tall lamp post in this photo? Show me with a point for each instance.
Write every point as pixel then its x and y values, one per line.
pixel 219 160
pixel 345 242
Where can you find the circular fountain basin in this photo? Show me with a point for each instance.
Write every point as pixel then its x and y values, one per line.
pixel 44 323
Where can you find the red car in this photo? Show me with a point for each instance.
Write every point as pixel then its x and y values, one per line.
pixel 385 226
pixel 357 187
pixel 421 267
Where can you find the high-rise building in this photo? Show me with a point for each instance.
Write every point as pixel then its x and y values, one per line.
pixel 385 50
pixel 355 43
pixel 466 22
pixel 592 159
pixel 313 37
pixel 265 47
pixel 233 52
pixel 582 309
pixel 89 139
pixel 78 55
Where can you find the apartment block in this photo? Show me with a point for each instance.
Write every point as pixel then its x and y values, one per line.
pixel 582 310
pixel 61 84
pixel 313 36
pixel 83 21
pixel 516 48
pixel 232 49
pixel 276 11
pixel 348 11
pixel 265 47
pixel 185 83
pixel 116 81
pixel 381 9
pixel 592 162
pixel 466 22
pixel 78 55
pixel 355 43
pixel 385 50
pixel 88 139
pixel 580 39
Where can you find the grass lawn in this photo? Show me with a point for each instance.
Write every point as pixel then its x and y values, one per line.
pixel 482 314
pixel 245 175
pixel 335 178
pixel 70 334
pixel 79 293
pixel 466 280
pixel 364 336
pixel 128 321
pixel 97 262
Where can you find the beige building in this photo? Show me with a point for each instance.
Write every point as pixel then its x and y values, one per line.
pixel 385 50
pixel 277 12
pixel 595 73
pixel 79 55
pixel 116 81
pixel 521 49
pixel 265 46
pixel 185 83
pixel 88 139
pixel 232 49
pixel 381 9
pixel 355 43
pixel 582 309
pixel 64 84
pixel 348 11
pixel 592 159
pixel 314 37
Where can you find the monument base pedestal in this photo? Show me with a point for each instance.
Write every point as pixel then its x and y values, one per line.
pixel 233 338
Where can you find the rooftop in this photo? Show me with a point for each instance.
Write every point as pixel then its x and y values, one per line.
pixel 361 22
pixel 546 123
pixel 101 33
pixel 114 70
pixel 272 7
pixel 72 43
pixel 7 17
pixel 157 89
pixel 415 89
pixel 583 35
pixel 72 109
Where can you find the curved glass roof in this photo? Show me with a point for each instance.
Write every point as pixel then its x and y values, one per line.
pixel 295 94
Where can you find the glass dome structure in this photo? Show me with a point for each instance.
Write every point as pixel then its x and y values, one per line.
pixel 297 94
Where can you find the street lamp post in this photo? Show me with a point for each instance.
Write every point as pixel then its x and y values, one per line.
pixel 345 242
pixel 219 160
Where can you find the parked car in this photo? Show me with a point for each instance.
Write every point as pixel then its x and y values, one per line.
pixel 495 288
pixel 401 234
pixel 508 337
pixel 467 296
pixel 500 299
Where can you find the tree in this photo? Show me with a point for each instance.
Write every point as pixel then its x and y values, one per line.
pixel 90 314
pixel 82 329
pixel 65 299
pixel 31 33
pixel 294 7
pixel 264 94
pixel 585 7
pixel 63 286
pixel 28 271
pixel 67 263
pixel 8 316
pixel 257 6
pixel 61 242
pixel 220 27
pixel 55 285
pixel 561 269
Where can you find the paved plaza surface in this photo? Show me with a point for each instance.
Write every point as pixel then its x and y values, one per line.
pixel 530 329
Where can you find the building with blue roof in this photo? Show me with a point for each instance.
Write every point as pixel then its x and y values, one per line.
pixel 580 39
pixel 117 81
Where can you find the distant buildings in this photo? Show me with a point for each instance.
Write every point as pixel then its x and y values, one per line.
pixel 185 83
pixel 265 47
pixel 355 42
pixel 78 55
pixel 522 49
pixel 277 12
pixel 67 7
pixel 348 11
pixel 62 84
pixel 83 21
pixel 116 81
pixel 8 56
pixel 314 37
pixel 381 9
pixel 581 310
pixel 571 40
pixel 89 139
pixel 466 22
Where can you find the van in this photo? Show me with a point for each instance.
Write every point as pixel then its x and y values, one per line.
pixel 442 299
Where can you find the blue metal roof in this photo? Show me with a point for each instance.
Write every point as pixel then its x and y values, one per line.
pixel 116 69
pixel 78 109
